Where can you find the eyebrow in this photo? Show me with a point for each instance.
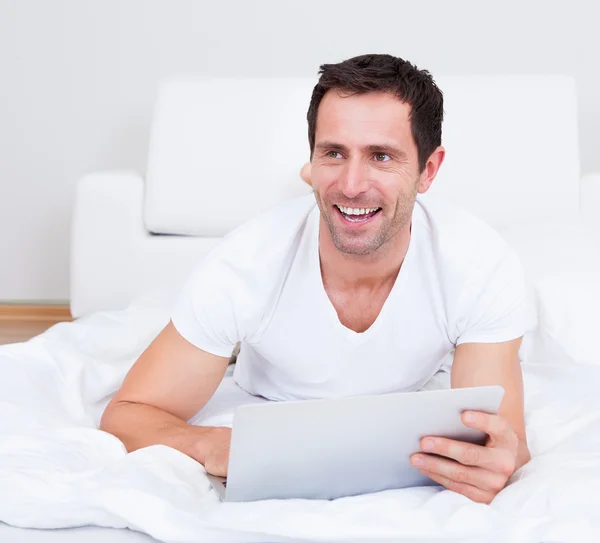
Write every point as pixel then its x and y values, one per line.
pixel 373 148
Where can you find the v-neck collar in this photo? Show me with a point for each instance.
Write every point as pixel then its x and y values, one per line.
pixel 398 286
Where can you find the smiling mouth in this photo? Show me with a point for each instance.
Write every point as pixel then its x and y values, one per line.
pixel 357 215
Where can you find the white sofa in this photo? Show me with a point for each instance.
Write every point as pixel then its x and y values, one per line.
pixel 222 150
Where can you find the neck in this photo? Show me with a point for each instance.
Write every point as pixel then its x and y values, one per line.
pixel 355 271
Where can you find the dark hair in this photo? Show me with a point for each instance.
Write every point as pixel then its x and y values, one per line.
pixel 386 73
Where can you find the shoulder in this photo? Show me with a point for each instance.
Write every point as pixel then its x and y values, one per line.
pixel 266 239
pixel 461 242
pixel 249 262
pixel 228 292
pixel 480 275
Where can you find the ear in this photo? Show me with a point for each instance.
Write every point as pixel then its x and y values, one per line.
pixel 434 162
pixel 305 173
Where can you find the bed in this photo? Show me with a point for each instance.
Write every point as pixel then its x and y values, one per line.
pixel 512 160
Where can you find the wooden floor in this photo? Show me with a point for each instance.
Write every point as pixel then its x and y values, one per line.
pixel 22 322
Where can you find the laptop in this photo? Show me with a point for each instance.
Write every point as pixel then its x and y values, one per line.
pixel 327 449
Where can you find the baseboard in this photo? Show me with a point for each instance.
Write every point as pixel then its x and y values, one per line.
pixel 35 312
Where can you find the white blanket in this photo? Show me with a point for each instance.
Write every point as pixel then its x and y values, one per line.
pixel 58 470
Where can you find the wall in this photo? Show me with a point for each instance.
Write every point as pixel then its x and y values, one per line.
pixel 78 80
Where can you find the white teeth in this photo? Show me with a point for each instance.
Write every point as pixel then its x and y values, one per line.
pixel 356 210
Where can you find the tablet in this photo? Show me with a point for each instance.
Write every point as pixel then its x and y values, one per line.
pixel 327 449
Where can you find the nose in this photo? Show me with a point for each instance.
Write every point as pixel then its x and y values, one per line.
pixel 353 180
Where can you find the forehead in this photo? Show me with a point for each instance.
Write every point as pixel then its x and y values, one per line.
pixel 363 118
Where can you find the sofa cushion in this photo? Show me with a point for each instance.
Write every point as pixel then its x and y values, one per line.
pixel 225 149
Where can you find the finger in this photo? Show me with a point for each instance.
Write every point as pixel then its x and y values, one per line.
pixel 474 476
pixel 498 460
pixel 468 454
pixel 471 492
pixel 495 426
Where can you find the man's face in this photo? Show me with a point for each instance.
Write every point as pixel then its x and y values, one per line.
pixel 364 169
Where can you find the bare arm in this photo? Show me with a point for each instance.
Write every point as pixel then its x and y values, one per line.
pixel 169 383
pixel 480 364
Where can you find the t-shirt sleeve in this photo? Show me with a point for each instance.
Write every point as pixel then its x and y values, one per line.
pixel 496 304
pixel 206 310
pixel 230 294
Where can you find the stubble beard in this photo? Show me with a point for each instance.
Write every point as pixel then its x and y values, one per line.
pixel 389 228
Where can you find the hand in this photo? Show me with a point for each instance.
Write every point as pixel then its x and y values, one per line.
pixel 305 173
pixel 213 450
pixel 477 472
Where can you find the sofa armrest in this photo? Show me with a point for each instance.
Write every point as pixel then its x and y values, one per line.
pixel 590 203
pixel 114 259
pixel 107 217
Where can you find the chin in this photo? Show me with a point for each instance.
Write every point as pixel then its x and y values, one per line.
pixel 347 247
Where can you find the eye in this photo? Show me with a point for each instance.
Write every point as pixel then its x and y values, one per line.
pixel 332 154
pixel 381 157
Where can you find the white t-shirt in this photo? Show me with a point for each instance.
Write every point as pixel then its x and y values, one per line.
pixel 459 282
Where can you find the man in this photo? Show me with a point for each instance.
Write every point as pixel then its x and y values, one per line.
pixel 374 288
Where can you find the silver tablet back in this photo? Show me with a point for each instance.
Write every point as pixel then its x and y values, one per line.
pixel 333 448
